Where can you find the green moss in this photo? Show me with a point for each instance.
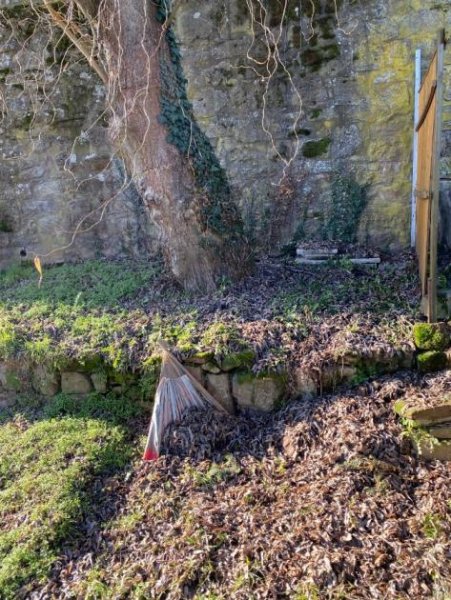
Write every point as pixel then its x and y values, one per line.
pixel 227 345
pixel 3 74
pixel 211 367
pixel 150 376
pixel 8 338
pixel 430 336
pixel 180 335
pixel 5 226
pixel 200 357
pixel 48 469
pixel 245 377
pixel 431 361
pixel 81 307
pixel 20 18
pixel 218 211
pixel 219 336
pixel 90 363
pixel 331 51
pixel 327 28
pixel 315 148
pixel 314 56
pixel 315 113
pixel 40 349
pixel 400 407
pixel 248 376
pixel 27 121
pixel 237 359
pixel 365 371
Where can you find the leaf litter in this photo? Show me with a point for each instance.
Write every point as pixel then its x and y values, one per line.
pixel 319 500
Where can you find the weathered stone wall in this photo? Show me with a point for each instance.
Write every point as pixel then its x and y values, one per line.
pixel 56 163
pixel 355 78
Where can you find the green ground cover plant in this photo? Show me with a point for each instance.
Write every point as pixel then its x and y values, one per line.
pixel 112 314
pixel 50 457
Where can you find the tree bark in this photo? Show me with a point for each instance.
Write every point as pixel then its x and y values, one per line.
pixel 200 225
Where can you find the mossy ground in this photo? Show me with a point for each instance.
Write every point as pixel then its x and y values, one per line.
pixel 113 313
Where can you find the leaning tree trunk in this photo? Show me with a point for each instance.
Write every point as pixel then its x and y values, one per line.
pixel 171 162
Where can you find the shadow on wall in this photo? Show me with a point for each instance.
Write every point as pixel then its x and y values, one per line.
pixel 296 214
pixel 445 215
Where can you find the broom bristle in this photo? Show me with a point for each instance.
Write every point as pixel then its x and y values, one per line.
pixel 177 392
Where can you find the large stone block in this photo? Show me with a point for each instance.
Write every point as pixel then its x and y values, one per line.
pixel 305 383
pixel 243 390
pixel 45 380
pixel 258 392
pixel 76 383
pixel 13 376
pixel 268 392
pixel 430 448
pixel 211 367
pixel 219 387
pixel 336 374
pixel 441 432
pixel 425 415
pixel 196 372
pixel 100 382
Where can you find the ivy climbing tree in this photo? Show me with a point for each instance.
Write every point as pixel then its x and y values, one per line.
pixel 131 47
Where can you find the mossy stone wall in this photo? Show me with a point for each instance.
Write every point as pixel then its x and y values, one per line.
pixel 355 77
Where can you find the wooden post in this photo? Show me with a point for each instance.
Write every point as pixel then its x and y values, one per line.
pixel 435 180
pixel 413 214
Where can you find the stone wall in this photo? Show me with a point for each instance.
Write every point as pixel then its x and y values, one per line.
pixel 56 163
pixel 354 76
pixel 231 379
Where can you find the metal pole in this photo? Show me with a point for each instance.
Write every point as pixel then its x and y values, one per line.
pixel 416 116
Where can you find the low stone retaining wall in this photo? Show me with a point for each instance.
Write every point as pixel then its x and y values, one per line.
pixel 429 427
pixel 231 378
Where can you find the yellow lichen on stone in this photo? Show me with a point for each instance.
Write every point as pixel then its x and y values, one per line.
pixel 385 78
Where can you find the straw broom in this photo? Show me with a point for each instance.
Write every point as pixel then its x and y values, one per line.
pixel 177 391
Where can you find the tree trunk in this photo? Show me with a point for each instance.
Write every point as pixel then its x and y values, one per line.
pixel 169 159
